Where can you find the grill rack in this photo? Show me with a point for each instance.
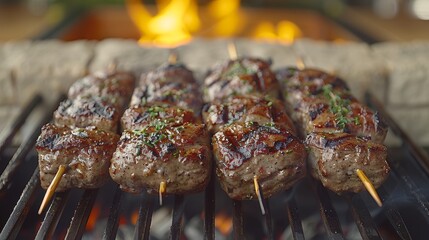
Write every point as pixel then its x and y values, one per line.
pixel 360 212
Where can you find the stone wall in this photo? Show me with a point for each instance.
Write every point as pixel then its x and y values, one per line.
pixel 397 73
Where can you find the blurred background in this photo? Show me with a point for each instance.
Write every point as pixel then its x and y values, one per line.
pixel 176 21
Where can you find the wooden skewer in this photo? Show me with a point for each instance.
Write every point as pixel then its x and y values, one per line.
pixel 52 187
pixel 258 194
pixel 361 174
pixel 300 63
pixel 162 188
pixel 369 186
pixel 232 51
pixel 172 58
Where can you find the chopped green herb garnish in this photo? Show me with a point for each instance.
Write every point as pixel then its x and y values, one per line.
pixel 338 106
pixel 357 121
pixel 237 69
pixel 269 104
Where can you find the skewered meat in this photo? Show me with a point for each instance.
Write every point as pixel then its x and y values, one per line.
pixel 253 135
pixel 182 95
pixel 136 118
pixel 342 134
pixel 164 140
pixel 113 86
pixel 85 112
pixel 245 150
pixel 240 77
pixel 334 159
pixel 179 156
pixel 172 84
pixel 322 103
pixel 85 151
pixel 249 108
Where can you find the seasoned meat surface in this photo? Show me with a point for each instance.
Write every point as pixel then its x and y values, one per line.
pixel 179 156
pixel 334 158
pixel 168 73
pixel 114 87
pixel 157 114
pixel 185 95
pixel 240 77
pixel 343 135
pixel 320 102
pixel 246 108
pixel 87 112
pixel 86 152
pixel 245 150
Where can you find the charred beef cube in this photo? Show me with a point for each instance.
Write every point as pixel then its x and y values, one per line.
pixel 166 74
pixel 179 156
pixel 88 112
pixel 185 95
pixel 243 151
pixel 113 86
pixel 320 115
pixel 86 152
pixel 240 77
pixel 321 102
pixel 246 108
pixel 154 114
pixel 334 159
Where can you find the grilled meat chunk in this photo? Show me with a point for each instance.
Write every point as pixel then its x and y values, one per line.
pixel 172 84
pixel 334 159
pixel 179 156
pixel 320 102
pixel 167 73
pixel 185 95
pixel 84 112
pixel 246 108
pixel 240 77
pixel 114 87
pixel 245 150
pixel 156 114
pixel 86 152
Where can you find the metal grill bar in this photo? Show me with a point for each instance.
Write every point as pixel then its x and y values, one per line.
pixel 237 220
pixel 81 214
pixel 420 155
pixel 20 212
pixel 268 227
pixel 53 216
pixel 25 148
pixel 328 213
pixel 176 223
pixel 9 133
pixel 142 229
pixel 113 220
pixel 209 209
pixel 295 220
pixel 398 224
pixel 362 217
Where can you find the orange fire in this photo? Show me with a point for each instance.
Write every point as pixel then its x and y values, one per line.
pixel 285 31
pixel 223 223
pixel 93 216
pixel 176 21
pixel 173 25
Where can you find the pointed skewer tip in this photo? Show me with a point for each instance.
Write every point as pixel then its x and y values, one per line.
pixel 52 187
pixel 172 57
pixel 162 187
pixel 258 194
pixel 300 63
pixel 369 186
pixel 232 51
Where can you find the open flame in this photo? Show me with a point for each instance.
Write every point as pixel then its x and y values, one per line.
pixel 285 31
pixel 176 21
pixel 172 25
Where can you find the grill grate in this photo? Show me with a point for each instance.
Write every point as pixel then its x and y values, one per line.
pixel 404 174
